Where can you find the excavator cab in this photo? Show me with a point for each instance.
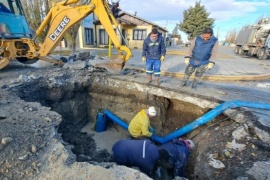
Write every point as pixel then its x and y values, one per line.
pixel 13 23
pixel 14 30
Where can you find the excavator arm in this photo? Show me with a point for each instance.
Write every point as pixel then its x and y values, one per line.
pixel 59 19
pixel 62 16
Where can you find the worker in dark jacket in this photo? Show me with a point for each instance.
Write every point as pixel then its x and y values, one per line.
pixel 174 155
pixel 202 49
pixel 154 51
pixel 140 153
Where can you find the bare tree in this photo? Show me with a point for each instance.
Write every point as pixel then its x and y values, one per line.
pixel 36 10
pixel 175 32
pixel 231 36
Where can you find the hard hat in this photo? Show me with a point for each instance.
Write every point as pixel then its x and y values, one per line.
pixel 152 111
pixel 191 143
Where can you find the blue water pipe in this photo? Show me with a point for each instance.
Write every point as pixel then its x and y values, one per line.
pixel 198 122
pixel 116 119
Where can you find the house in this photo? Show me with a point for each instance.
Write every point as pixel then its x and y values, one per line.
pixel 132 31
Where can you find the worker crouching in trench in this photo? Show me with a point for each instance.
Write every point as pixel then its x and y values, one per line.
pixel 150 158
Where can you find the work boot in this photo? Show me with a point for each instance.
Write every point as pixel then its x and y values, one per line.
pixel 185 80
pixel 149 78
pixel 194 84
pixel 156 81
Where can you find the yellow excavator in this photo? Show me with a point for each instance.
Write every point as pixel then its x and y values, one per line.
pixel 17 41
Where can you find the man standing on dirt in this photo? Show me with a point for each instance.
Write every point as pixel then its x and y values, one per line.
pixel 140 153
pixel 154 51
pixel 202 49
pixel 174 155
pixel 139 127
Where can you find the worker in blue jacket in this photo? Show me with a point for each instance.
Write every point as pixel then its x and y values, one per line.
pixel 154 51
pixel 202 52
pixel 140 153
pixel 174 155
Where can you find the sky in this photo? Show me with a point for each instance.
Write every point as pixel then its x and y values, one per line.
pixel 228 14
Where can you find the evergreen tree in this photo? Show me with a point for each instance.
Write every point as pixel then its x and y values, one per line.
pixel 195 20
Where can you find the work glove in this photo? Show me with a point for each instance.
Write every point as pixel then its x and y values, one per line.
pixel 162 58
pixel 210 65
pixel 187 58
pixel 143 59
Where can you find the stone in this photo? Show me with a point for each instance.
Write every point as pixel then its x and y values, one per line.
pixel 6 140
pixel 239 133
pixel 260 170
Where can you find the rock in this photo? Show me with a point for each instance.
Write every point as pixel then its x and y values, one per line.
pixel 41 64
pixel 47 119
pixel 24 157
pixel 260 170
pixel 23 78
pixel 237 117
pixel 84 55
pixel 6 140
pixel 75 65
pixel 96 57
pixel 263 135
pixel 33 149
pixel 239 133
pixel 236 146
pixel 215 163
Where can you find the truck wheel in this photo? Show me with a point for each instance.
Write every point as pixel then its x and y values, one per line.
pixel 236 50
pixel 262 55
pixel 241 51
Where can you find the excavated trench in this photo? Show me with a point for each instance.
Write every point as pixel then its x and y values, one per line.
pixel 79 102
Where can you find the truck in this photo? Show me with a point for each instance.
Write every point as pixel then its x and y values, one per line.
pixel 18 42
pixel 254 40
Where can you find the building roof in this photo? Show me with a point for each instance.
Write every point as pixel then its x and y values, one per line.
pixel 123 16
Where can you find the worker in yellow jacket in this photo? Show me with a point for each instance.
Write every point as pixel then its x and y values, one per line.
pixel 139 126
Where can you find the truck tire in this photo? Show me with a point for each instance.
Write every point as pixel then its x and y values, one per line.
pixel 236 50
pixel 262 54
pixel 241 51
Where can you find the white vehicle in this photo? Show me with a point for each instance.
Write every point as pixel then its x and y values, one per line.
pixel 254 40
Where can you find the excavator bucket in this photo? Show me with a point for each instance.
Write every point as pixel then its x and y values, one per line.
pixel 4 62
pixel 111 65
